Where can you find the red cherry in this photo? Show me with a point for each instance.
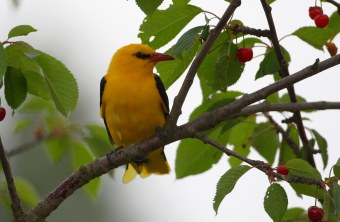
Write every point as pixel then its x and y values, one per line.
pixel 321 20
pixel 314 11
pixel 282 169
pixel 2 113
pixel 315 213
pixel 244 54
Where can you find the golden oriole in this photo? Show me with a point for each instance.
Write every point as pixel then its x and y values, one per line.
pixel 133 104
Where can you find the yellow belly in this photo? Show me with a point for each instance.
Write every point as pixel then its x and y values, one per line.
pixel 132 113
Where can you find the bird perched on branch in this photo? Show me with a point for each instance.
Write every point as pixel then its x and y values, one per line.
pixel 134 104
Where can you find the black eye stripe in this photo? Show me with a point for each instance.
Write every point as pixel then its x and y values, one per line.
pixel 141 55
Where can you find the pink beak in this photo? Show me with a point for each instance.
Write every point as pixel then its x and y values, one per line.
pixel 158 57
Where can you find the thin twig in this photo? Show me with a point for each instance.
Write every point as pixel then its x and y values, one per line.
pixel 284 72
pixel 27 146
pixel 251 31
pixel 16 202
pixel 264 167
pixel 179 99
pixel 336 4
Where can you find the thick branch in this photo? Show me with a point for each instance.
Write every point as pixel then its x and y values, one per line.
pixel 206 121
pixel 16 202
pixel 284 72
pixel 179 99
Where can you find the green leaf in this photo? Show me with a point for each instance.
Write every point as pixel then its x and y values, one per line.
pixel 295 214
pixel 336 169
pixel 27 193
pixel 302 168
pixel 203 159
pixel 286 99
pixel 3 61
pixel 98 141
pixel 36 85
pixel 21 30
pixel 22 125
pixel 333 25
pixel 227 183
pixel 63 86
pixel 313 36
pixel 228 69
pixel 270 63
pixel 162 26
pixel 148 6
pixel 265 140
pixel 180 2
pixel 15 87
pixel 170 71
pixel 249 42
pixel 336 197
pixel 322 144
pixel 309 190
pixel 240 137
pixel 186 42
pixel 276 202
pixel 80 156
pixel 57 148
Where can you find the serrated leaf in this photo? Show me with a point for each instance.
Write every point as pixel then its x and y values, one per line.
pixel 265 140
pixel 270 63
pixel 80 156
pixel 313 36
pixel 170 71
pixel 249 42
pixel 63 86
pixel 295 214
pixel 3 61
pixel 27 193
pixel 148 6
pixel 336 169
pixel 21 30
pixel 302 168
pixel 180 2
pixel 322 144
pixel 15 87
pixel 186 42
pixel 228 68
pixel 36 85
pixel 275 202
pixel 162 26
pixel 227 183
pixel 98 141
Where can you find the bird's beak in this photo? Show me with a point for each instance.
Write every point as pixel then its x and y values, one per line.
pixel 158 57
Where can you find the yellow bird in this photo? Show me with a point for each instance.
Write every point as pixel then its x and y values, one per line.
pixel 134 104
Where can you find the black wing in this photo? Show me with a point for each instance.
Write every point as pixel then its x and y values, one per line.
pixel 102 86
pixel 162 92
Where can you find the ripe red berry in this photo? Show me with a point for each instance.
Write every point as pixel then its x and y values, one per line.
pixel 282 169
pixel 314 11
pixel 2 113
pixel 321 21
pixel 331 47
pixel 244 54
pixel 315 213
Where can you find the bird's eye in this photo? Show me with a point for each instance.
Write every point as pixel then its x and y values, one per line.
pixel 142 55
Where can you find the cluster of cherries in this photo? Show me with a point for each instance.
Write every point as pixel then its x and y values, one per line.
pixel 2 113
pixel 316 13
pixel 315 214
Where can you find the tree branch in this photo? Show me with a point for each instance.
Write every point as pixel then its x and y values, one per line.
pixel 264 167
pixel 284 72
pixel 18 212
pixel 336 4
pixel 179 99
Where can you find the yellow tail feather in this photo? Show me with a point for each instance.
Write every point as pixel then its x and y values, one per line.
pixel 155 163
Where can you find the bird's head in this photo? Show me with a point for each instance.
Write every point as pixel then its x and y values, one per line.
pixel 137 58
